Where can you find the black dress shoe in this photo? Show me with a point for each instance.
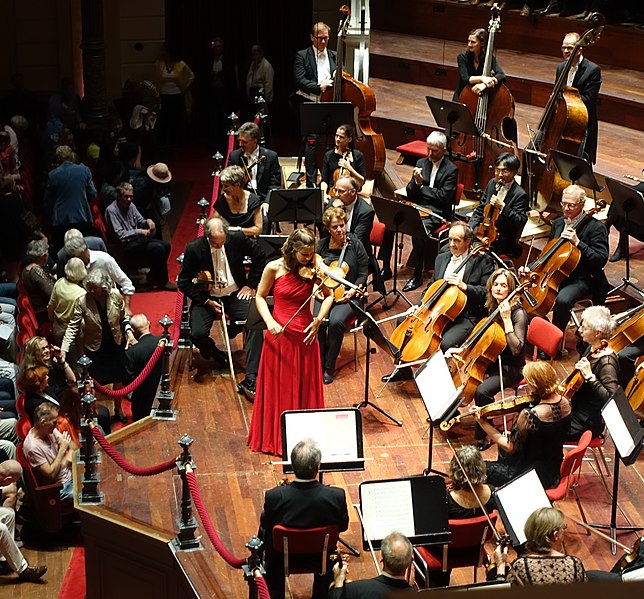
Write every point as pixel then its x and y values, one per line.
pixel 32 573
pixel 386 274
pixel 404 374
pixel 328 377
pixel 214 353
pixel 414 283
pixel 617 256
pixel 483 444
pixel 247 388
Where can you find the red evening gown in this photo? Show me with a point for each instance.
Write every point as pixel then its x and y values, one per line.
pixel 290 372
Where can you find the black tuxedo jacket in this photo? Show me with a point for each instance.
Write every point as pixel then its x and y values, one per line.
pixel 477 272
pixel 305 70
pixel 379 587
pixel 269 173
pixel 197 257
pixel 588 80
pixel 136 359
pixel 303 505
pixel 511 220
pixel 440 197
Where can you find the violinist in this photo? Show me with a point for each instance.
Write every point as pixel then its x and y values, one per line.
pixel 290 370
pixel 599 370
pixel 240 208
pixel 433 184
pixel 471 62
pixel 261 165
pixel 537 437
pixel 510 202
pixel 588 278
pixel 348 248
pixel 343 160
pixel 514 320
pixel 221 253
pixel 471 280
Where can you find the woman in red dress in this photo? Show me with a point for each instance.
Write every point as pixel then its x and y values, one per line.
pixel 290 370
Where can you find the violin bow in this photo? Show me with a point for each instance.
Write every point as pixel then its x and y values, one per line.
pixel 505 417
pixel 601 534
pixel 227 341
pixel 316 288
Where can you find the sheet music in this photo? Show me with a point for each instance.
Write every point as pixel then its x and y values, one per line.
pixel 618 430
pixel 387 507
pixel 434 381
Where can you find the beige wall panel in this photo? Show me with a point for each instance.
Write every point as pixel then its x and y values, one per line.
pixel 143 28
pixel 139 8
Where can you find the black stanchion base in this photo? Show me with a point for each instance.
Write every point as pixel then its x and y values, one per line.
pixel 90 494
pixel 186 540
pixel 164 411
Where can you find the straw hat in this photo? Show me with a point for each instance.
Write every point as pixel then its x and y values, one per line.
pixel 159 172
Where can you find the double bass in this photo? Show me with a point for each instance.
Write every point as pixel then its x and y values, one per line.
pixel 347 89
pixel 493 111
pixel 562 127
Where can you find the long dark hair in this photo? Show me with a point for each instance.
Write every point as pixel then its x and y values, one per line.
pixel 481 36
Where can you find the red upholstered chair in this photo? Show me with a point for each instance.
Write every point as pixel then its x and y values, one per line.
pixel 23 427
pixel 305 541
pixel 377 234
pixel 570 471
pixel 465 549
pixel 544 336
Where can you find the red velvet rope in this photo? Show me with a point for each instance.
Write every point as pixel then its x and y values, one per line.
pixel 154 358
pixel 207 524
pixel 262 587
pixel 178 315
pixel 122 463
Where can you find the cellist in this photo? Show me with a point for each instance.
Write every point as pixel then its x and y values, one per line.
pixel 510 200
pixel 471 280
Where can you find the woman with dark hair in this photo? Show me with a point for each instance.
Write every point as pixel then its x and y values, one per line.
pixel 290 369
pixel 461 502
pixel 538 434
pixel 470 65
pixel 344 159
pixel 37 280
pixel 239 207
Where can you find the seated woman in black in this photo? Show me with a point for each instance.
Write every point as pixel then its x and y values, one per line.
pixel 330 248
pixel 344 159
pixel 537 437
pixel 240 208
pixel 599 369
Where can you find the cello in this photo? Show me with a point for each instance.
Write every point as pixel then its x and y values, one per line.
pixel 557 261
pixel 562 127
pixel 420 334
pixel 629 331
pixel 493 110
pixel 347 89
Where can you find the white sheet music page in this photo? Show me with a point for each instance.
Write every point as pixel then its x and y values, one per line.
pixel 387 507
pixel 618 430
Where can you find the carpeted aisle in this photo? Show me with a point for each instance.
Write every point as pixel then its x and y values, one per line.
pixel 73 586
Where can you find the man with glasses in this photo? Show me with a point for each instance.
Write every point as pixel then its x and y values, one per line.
pixel 313 71
pixel 511 202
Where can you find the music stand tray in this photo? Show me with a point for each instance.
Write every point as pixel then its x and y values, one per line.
pixel 295 205
pixel 397 216
pixel 324 117
pixel 575 169
pixel 452 116
pixel 627 201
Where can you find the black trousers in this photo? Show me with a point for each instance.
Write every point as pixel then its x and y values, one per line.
pixel 331 333
pixel 202 318
pixel 152 253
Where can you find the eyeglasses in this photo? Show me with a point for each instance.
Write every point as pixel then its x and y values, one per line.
pixel 569 204
pixel 322 38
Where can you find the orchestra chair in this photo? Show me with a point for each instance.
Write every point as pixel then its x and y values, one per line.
pixel 44 508
pixel 466 549
pixel 570 473
pixel 293 542
pixel 596 446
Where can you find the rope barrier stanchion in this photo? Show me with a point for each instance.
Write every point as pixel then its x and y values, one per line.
pixel 253 569
pixel 186 538
pixel 90 493
pixel 85 385
pixel 165 411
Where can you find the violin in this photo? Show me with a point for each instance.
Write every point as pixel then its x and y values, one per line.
pixel 575 379
pixel 632 178
pixel 249 167
pixel 487 231
pixel 317 270
pixel 204 280
pixel 341 269
pixel 339 172
pixel 557 261
pixel 497 408
pixel 313 269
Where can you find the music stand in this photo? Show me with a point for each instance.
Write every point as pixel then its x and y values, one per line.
pixel 629 203
pixel 453 117
pixel 371 331
pixel 295 206
pixel 575 169
pixel 271 245
pixel 399 218
pixel 254 321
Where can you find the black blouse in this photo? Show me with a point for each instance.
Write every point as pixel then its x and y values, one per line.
pixel 466 70
pixel 244 219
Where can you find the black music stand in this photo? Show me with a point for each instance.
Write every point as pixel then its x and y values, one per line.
pixel 575 169
pixel 454 117
pixel 295 206
pixel 254 321
pixel 629 203
pixel 372 331
pixel 399 218
pixel 271 245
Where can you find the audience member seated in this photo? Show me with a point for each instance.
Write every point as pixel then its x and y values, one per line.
pixel 7 398
pixel 8 157
pixel 305 503
pixel 8 438
pixel 37 280
pixel 136 236
pixel 397 553
pixel 49 452
pixel 69 190
pixel 137 355
pixel 94 259
pixel 11 559
pixel 240 208
pixel 93 243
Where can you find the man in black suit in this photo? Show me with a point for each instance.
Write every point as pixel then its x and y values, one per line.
pixel 221 253
pixel 305 503
pixel 470 279
pixel 586 77
pixel 313 71
pixel 137 355
pixel 511 202
pixel 265 174
pixel 433 184
pixel 397 553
